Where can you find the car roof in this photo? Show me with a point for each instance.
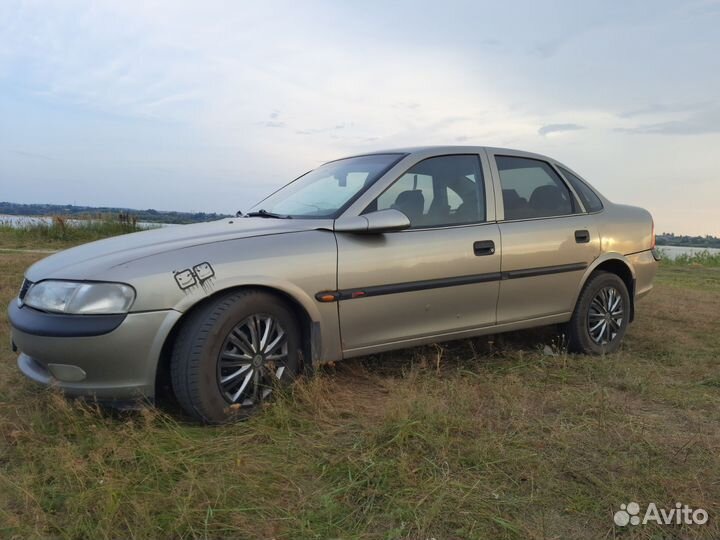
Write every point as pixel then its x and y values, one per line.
pixel 424 152
pixel 449 149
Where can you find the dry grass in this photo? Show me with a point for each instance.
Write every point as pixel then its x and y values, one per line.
pixel 485 438
pixel 62 232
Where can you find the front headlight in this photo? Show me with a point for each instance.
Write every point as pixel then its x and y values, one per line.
pixel 80 298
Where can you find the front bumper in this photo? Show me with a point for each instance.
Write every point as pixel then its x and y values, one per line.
pixel 117 365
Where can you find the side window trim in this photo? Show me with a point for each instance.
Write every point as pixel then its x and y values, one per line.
pixel 577 201
pixel 578 207
pixel 481 186
pixel 560 169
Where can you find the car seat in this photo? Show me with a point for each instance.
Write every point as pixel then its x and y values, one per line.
pixel 411 203
pixel 547 200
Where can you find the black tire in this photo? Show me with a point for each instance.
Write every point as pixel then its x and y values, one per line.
pixel 590 311
pixel 196 365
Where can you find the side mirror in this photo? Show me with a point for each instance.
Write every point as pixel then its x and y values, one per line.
pixel 374 222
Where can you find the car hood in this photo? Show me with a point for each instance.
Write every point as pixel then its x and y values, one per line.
pixel 85 261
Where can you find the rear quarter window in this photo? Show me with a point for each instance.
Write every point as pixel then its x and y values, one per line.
pixel 591 202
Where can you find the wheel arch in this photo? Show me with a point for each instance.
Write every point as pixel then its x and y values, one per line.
pixel 618 264
pixel 310 330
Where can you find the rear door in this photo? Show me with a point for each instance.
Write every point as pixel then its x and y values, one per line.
pixel 438 278
pixel 548 238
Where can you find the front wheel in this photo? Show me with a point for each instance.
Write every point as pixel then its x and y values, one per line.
pixel 233 353
pixel 601 315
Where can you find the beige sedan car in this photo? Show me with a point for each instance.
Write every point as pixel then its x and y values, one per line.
pixel 361 255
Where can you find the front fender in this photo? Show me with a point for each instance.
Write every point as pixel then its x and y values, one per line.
pixel 301 296
pixel 298 264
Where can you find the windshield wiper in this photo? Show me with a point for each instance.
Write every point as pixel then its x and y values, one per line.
pixel 265 214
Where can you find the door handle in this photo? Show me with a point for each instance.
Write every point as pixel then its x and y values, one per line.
pixel 582 236
pixel 484 247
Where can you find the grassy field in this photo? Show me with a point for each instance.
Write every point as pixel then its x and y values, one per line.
pixel 700 258
pixel 483 438
pixel 61 232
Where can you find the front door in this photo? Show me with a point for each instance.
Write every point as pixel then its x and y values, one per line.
pixel 548 240
pixel 439 278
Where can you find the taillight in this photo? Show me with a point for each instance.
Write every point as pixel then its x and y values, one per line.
pixel 652 235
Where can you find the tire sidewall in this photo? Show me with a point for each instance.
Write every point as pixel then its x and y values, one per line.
pixel 579 326
pixel 211 402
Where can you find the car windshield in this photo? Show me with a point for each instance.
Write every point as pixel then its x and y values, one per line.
pixel 326 191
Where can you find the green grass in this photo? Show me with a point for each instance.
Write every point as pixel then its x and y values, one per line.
pixel 482 438
pixel 699 277
pixel 701 258
pixel 61 232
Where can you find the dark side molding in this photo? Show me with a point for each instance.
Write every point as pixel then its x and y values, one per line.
pixel 409 286
pixel 39 323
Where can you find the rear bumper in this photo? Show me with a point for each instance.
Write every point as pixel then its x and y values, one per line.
pixel 645 267
pixel 116 366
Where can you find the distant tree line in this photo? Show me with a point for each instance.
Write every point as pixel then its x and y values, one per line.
pixel 671 239
pixel 128 214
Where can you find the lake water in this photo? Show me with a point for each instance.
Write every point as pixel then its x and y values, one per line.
pixel 671 252
pixel 18 221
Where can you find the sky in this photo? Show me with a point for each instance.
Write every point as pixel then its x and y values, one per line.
pixel 210 105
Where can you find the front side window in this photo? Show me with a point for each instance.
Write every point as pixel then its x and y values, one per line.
pixel 326 191
pixel 591 202
pixel 439 191
pixel 532 189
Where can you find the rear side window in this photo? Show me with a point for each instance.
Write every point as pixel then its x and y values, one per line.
pixel 591 202
pixel 532 189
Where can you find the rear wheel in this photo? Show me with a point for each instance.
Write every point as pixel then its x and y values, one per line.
pixel 233 353
pixel 601 315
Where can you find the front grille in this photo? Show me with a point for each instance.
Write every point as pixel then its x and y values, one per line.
pixel 24 288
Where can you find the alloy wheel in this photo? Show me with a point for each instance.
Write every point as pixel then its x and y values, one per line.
pixel 252 360
pixel 605 315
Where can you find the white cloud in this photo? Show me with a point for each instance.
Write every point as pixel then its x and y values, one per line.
pixel 202 101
